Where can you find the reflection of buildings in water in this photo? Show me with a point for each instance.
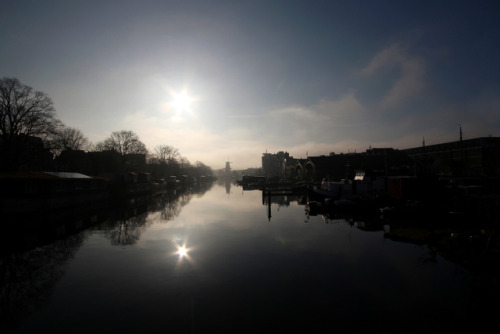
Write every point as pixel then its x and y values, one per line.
pixel 225 180
pixel 127 220
pixel 33 257
pixel 331 215
pixel 280 200
pixel 168 203
pixel 28 278
pixel 24 232
pixel 131 219
pixel 128 231
pixel 130 214
pixel 126 227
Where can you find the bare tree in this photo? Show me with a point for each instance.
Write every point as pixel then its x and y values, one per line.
pixel 123 142
pixel 184 163
pixel 200 169
pixel 24 114
pixel 70 139
pixel 165 154
pixel 163 161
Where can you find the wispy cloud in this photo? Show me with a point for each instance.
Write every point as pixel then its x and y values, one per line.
pixel 333 124
pixel 410 81
pixel 246 116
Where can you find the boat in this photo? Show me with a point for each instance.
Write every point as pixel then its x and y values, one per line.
pixel 323 193
pixel 31 192
pixel 334 190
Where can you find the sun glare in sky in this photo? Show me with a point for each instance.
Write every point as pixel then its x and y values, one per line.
pixel 209 80
pixel 182 101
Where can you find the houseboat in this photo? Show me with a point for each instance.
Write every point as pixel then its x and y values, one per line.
pixel 31 192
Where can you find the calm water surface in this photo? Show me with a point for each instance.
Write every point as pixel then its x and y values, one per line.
pixel 243 271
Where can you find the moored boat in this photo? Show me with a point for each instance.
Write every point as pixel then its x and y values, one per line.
pixel 29 192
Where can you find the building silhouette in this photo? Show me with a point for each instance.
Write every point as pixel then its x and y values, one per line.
pixel 471 158
pixel 478 157
pixel 274 165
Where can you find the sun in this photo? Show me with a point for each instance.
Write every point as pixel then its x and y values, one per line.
pixel 182 101
pixel 182 251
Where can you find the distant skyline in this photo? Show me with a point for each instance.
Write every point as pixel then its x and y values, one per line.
pixel 223 80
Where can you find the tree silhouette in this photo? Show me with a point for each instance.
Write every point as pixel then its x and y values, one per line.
pixel 123 142
pixel 165 154
pixel 69 139
pixel 24 115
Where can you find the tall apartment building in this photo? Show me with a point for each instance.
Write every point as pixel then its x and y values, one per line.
pixel 273 165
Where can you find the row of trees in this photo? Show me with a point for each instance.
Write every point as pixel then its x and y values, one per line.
pixel 29 127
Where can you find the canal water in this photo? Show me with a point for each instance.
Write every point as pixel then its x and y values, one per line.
pixel 221 259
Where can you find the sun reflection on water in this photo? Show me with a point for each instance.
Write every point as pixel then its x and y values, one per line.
pixel 182 253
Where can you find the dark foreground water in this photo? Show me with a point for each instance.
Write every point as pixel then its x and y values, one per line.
pixel 243 271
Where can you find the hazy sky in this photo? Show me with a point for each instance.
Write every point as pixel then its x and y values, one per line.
pixel 307 77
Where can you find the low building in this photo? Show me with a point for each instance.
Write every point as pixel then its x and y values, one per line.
pixel 478 157
pixel 374 163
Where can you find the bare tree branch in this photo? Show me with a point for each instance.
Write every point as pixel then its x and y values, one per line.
pixel 123 142
pixel 165 153
pixel 24 113
pixel 69 139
